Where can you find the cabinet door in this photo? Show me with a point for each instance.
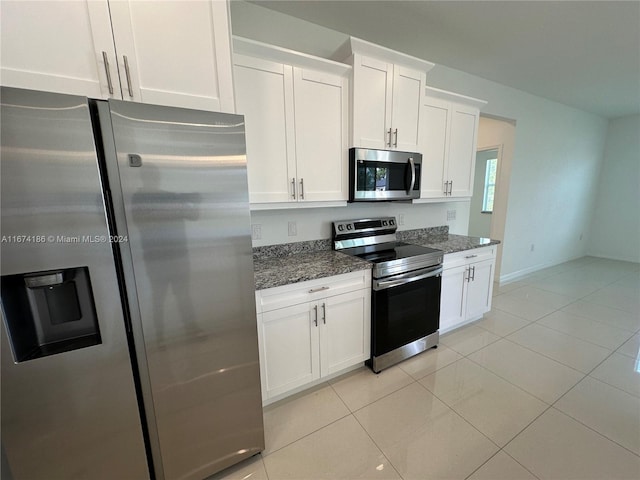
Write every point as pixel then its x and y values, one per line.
pixel 408 90
pixel 372 87
pixel 321 123
pixel 479 289
pixel 434 136
pixel 452 298
pixel 462 150
pixel 345 333
pixel 265 97
pixel 178 53
pixel 289 348
pixel 58 47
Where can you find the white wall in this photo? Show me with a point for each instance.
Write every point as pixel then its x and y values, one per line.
pixel 554 175
pixel 500 134
pixel 315 223
pixel 556 160
pixel 615 229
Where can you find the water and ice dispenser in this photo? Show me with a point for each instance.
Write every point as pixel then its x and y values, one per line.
pixel 49 312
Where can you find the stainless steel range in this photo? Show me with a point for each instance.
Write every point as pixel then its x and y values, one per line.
pixel 405 297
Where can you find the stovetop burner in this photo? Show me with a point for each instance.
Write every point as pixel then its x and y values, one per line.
pixel 374 240
pixel 398 251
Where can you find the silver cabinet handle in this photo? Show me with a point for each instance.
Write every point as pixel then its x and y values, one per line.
pixel 450 187
pixel 108 71
pixel 471 256
pixel 302 189
pixel 293 188
pixel 314 290
pixel 315 310
pixel 446 187
pixel 467 271
pixel 324 314
pixel 395 141
pixel 128 73
pixel 389 142
pixel 473 277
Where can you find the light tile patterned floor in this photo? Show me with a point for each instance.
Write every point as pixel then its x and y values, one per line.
pixel 546 385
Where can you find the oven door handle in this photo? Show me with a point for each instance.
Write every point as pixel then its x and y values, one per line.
pixel 406 278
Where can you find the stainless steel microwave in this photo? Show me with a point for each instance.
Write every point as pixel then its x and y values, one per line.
pixel 383 175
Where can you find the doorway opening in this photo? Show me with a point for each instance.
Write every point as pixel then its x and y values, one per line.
pixel 484 188
pixel 496 139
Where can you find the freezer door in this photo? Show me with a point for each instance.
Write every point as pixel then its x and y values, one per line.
pixel 69 407
pixel 185 209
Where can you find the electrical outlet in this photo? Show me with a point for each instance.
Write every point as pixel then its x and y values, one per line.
pixel 533 247
pixel 451 215
pixel 256 231
pixel 401 219
pixel 293 229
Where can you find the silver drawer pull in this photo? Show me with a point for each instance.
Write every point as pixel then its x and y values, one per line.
pixel 314 290
pixel 471 256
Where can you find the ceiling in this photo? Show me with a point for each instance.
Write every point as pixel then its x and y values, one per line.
pixel 582 54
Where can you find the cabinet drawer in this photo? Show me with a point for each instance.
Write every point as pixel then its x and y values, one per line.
pixel 287 295
pixel 466 257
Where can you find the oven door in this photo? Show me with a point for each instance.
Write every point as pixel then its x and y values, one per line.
pixel 406 308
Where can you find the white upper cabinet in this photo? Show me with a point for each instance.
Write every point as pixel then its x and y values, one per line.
pixel 387 94
pixel 320 104
pixel 448 137
pixel 296 114
pixel 63 47
pixel 408 86
pixel 175 53
pixel 264 92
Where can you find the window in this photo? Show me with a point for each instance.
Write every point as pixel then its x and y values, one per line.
pixel 489 185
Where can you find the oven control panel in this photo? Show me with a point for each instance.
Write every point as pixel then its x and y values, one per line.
pixel 369 226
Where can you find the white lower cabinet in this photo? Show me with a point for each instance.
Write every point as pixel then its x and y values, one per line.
pixel 309 340
pixel 467 287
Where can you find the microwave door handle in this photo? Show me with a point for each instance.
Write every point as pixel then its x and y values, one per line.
pixel 412 182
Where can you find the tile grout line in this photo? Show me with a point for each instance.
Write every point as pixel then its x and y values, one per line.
pixel 315 389
pixel 500 449
pixel 376 444
pixel 557 400
pixel 585 375
pixel 553 405
pixel 601 381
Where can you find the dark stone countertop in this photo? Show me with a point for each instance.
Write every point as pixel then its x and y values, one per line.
pixel 284 270
pixel 451 243
pixel 289 263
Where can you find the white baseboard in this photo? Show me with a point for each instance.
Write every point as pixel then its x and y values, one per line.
pixel 515 276
pixel 613 257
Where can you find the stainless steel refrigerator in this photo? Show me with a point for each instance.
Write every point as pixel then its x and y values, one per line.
pixel 129 344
